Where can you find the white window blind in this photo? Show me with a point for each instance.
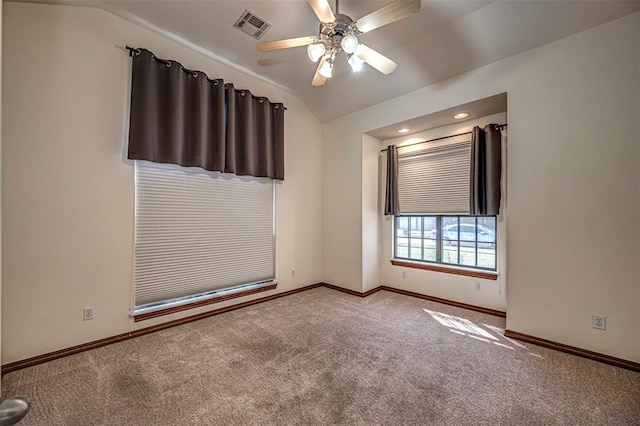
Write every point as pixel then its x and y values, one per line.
pixel 435 179
pixel 198 231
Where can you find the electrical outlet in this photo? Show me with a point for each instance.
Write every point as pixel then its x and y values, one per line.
pixel 293 273
pixel 478 286
pixel 87 313
pixel 404 274
pixel 599 322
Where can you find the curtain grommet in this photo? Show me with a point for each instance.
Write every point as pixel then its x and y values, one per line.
pixel 193 74
pixel 161 61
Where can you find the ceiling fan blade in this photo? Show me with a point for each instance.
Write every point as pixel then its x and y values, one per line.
pixel 375 59
pixel 392 12
pixel 322 10
pixel 266 46
pixel 318 79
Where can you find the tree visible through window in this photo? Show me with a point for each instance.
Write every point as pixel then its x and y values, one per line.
pixel 469 241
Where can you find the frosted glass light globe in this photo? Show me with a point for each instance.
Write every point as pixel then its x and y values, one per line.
pixel 355 62
pixel 315 51
pixel 326 70
pixel 349 43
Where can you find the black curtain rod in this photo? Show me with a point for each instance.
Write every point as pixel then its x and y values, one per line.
pixel 132 51
pixel 135 52
pixel 501 126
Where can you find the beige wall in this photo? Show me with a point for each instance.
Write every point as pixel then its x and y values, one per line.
pixel 573 194
pixel 447 286
pixel 68 192
pixel 342 204
pixel 371 205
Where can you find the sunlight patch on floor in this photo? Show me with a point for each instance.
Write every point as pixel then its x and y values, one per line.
pixel 504 346
pixel 494 328
pixel 514 342
pixel 461 324
pixel 466 327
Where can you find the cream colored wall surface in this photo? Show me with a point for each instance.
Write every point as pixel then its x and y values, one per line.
pixel 342 204
pixel 573 177
pixel 68 192
pixel 371 242
pixel 447 286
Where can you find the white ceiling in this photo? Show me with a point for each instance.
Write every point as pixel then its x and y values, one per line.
pixel 446 38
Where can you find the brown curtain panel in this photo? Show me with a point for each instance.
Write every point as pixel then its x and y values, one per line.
pixel 182 117
pixel 391 201
pixel 255 135
pixel 486 170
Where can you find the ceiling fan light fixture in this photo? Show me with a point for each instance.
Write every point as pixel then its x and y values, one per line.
pixel 339 33
pixel 315 51
pixel 326 70
pixel 355 62
pixel 349 43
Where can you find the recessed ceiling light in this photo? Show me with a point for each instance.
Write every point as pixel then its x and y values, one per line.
pixel 460 115
pixel 403 130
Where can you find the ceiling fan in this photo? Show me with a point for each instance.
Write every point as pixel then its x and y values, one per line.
pixel 339 33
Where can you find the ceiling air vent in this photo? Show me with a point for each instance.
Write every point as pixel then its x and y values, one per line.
pixel 251 24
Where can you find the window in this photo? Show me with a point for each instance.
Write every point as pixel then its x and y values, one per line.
pixel 434 224
pixel 468 241
pixel 199 234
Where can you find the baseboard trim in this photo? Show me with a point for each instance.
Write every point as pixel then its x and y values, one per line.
pixel 30 362
pixel 419 296
pixel 39 359
pixel 617 362
pixel 446 301
pixel 352 292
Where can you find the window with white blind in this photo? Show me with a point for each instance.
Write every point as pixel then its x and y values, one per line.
pixel 435 178
pixel 434 225
pixel 199 234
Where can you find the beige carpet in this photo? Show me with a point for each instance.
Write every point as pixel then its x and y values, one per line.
pixel 324 357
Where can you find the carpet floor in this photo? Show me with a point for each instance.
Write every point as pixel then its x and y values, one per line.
pixel 325 357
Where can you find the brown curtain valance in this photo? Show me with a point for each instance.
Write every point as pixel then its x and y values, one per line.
pixel 181 116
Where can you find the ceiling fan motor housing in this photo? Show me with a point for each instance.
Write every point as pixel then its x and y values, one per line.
pixel 331 34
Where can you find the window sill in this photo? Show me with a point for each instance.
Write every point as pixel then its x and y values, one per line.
pixel 200 303
pixel 487 275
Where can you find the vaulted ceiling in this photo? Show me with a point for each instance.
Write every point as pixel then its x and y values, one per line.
pixel 444 39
